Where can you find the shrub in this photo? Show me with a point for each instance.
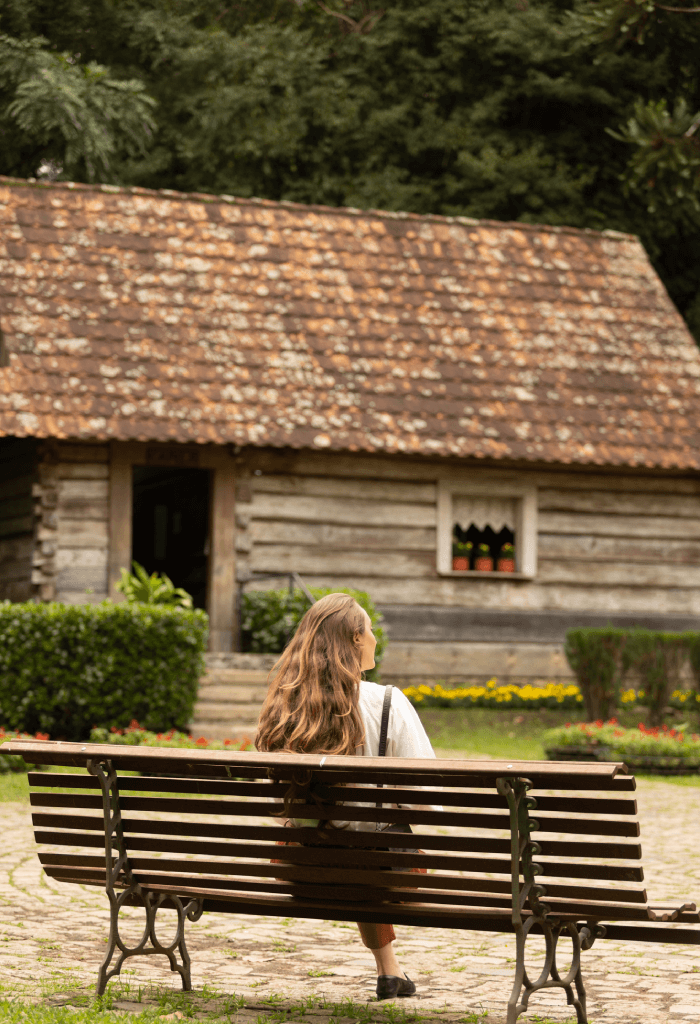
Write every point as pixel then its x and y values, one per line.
pixel 64 669
pixel 270 617
pixel 602 657
pixel 136 735
pixel 658 658
pixel 491 695
pixel 596 658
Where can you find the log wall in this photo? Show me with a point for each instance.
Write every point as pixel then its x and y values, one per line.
pixel 73 536
pixel 18 518
pixel 622 544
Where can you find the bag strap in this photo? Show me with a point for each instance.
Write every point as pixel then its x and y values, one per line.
pixel 384 729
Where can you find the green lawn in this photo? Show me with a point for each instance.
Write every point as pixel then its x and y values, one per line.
pixel 475 732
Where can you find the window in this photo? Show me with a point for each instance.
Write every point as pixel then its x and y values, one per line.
pixel 487 529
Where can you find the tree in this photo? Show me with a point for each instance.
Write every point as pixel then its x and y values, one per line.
pixel 65 114
pixel 496 111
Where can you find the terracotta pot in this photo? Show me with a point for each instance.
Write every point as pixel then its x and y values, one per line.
pixel 506 565
pixel 460 563
pixel 484 564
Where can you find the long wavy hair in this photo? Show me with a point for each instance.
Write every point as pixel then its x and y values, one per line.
pixel 312 699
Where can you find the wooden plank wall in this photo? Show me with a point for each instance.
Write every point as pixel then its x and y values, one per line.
pixel 74 532
pixel 18 517
pixel 608 543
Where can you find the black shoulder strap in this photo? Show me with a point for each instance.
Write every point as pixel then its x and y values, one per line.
pixel 384 728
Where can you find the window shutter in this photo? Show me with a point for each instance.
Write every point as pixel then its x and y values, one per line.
pixel 483 512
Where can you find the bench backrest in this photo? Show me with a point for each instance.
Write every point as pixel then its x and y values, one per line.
pixel 210 821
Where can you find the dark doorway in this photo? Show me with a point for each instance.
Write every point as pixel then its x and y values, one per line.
pixel 171 526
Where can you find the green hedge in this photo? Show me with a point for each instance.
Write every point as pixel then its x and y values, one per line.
pixel 65 669
pixel 602 658
pixel 270 617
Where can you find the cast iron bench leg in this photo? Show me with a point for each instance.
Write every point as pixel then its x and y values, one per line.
pixel 119 873
pixel 530 895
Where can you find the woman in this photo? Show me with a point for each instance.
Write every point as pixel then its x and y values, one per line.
pixel 318 703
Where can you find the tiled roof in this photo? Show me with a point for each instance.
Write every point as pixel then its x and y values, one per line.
pixel 149 315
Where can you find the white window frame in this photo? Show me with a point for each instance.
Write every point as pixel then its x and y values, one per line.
pixel 525 497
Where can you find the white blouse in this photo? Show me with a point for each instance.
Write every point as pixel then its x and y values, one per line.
pixel 406 737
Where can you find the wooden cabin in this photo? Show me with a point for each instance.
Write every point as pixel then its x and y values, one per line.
pixel 218 387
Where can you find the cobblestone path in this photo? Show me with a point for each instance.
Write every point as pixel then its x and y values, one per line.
pixel 52 939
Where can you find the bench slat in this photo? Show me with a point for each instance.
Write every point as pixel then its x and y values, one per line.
pixel 81 753
pixel 365 892
pixel 361 840
pixel 172 805
pixel 389 776
pixel 407 901
pixel 70 862
pixel 265 788
pixel 670 933
pixel 319 855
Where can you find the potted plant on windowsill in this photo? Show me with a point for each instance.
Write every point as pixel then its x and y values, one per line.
pixel 461 555
pixel 483 561
pixel 506 559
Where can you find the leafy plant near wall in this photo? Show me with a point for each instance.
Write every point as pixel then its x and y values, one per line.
pixel 140 588
pixel 270 617
pixel 65 669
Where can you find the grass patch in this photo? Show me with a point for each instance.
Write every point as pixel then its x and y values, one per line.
pixel 146 1003
pixel 692 781
pixel 475 732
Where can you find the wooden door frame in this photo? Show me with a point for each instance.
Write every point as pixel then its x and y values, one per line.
pixel 221 565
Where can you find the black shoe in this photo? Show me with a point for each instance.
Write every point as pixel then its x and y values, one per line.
pixel 389 986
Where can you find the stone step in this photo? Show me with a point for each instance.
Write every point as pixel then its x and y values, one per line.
pixel 233 677
pixel 232 694
pixel 215 711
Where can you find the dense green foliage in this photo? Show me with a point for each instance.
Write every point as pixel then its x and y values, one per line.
pixel 595 656
pixel 601 658
pixel 270 617
pixel 65 669
pixel 500 111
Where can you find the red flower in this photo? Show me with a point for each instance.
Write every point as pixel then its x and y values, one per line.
pixel 227 743
pixel 613 721
pixel 201 742
pixel 599 723
pixel 42 735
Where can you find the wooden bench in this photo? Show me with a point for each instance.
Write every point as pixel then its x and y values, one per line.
pixel 520 846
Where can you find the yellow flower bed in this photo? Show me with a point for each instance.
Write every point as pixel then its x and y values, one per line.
pixel 549 695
